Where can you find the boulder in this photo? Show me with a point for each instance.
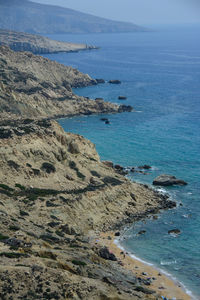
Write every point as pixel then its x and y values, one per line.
pixel 145 167
pixel 142 232
pixel 117 233
pixel 108 163
pixel 125 108
pixel 122 97
pixel 100 80
pixel 68 229
pixel 99 99
pixel 114 81
pixel 106 254
pixel 174 231
pixel 168 180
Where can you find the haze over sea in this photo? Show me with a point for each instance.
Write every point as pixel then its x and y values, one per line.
pixel 160 74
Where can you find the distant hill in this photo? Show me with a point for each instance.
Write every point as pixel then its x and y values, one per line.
pixel 20 41
pixel 23 15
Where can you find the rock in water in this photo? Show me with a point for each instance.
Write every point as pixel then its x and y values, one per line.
pixel 122 97
pixel 125 108
pixel 168 180
pixel 100 80
pixel 174 231
pixel 114 81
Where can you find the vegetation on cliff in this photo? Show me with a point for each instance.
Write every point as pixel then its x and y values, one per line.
pixel 55 193
pixel 33 86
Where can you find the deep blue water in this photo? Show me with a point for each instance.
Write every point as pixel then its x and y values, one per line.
pixel 160 74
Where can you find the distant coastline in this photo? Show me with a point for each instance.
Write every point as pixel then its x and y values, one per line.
pixel 37 44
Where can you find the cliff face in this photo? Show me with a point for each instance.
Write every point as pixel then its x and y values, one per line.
pixel 54 191
pixel 33 86
pixel 33 17
pixel 20 41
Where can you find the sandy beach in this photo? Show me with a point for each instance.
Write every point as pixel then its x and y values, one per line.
pixel 161 283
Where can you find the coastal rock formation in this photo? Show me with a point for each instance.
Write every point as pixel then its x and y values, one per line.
pixel 50 212
pixel 116 81
pixel 27 16
pixel 174 231
pixel 122 97
pixel 100 80
pixel 168 180
pixel 33 86
pixel 20 41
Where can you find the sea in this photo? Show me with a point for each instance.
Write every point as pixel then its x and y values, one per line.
pixel 159 72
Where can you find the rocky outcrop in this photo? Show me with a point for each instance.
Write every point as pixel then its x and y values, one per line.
pixel 54 194
pixel 35 87
pixel 125 108
pixel 20 41
pixel 100 80
pixel 115 81
pixel 122 98
pixel 168 180
pixel 174 231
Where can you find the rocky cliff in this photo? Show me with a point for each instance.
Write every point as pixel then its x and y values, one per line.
pixel 33 86
pixel 55 195
pixel 27 16
pixel 20 41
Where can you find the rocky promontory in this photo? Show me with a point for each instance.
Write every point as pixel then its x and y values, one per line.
pixel 37 44
pixel 55 196
pixel 35 87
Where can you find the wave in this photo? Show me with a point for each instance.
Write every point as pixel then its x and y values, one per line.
pixel 167 263
pixel 173 278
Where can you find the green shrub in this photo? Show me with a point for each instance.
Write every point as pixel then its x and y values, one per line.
pixel 79 263
pixel 21 187
pixel 3 237
pixel 72 165
pixel 23 213
pixel 6 187
pixel 47 167
pixel 14 227
pixel 13 254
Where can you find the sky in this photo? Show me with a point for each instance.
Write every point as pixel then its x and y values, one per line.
pixel 141 12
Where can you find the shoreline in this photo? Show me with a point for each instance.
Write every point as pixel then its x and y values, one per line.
pixel 161 282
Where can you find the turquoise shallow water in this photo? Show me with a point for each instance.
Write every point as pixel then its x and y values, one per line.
pixel 160 74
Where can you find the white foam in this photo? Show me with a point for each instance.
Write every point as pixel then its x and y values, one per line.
pixel 185 289
pixel 168 263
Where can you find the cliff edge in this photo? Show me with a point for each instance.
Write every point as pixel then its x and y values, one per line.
pixel 55 196
pixel 37 44
pixel 36 87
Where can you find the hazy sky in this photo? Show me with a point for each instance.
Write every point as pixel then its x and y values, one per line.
pixel 137 11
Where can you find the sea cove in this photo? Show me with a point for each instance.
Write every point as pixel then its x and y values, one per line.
pixel 160 74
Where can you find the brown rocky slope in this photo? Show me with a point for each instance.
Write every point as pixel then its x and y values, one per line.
pixel 37 44
pixel 34 87
pixel 55 195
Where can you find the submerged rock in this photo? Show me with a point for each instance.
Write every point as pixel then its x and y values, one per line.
pixel 168 180
pixel 145 167
pixel 114 81
pixel 100 80
pixel 142 232
pixel 174 231
pixel 125 108
pixel 122 97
